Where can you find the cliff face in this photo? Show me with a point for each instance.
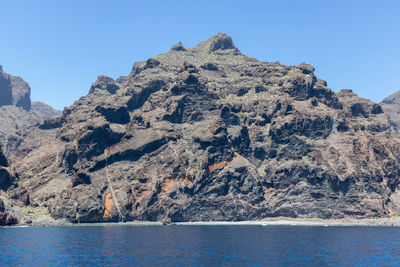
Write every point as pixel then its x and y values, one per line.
pixel 391 106
pixel 5 177
pixel 6 180
pixel 17 111
pixel 21 93
pixel 207 133
pixel 5 89
pixel 14 91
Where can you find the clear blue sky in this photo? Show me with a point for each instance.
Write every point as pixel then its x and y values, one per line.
pixel 60 47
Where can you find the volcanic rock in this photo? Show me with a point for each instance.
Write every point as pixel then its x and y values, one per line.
pixel 14 91
pixel 21 93
pixel 6 219
pixel 221 41
pixel 178 47
pixel 104 83
pixel 5 177
pixel 5 181
pixel 208 133
pixel 391 106
pixel 6 97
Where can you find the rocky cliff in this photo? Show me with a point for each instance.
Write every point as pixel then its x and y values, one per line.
pixel 6 179
pixel 391 106
pixel 17 111
pixel 207 133
pixel 14 91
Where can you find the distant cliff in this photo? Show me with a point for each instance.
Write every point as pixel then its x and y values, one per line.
pixel 14 91
pixel 391 105
pixel 207 133
pixel 17 111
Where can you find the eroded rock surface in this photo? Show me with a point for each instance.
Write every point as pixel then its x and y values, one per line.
pixel 14 91
pixel 207 133
pixel 6 179
pixel 6 97
pixel 391 106
pixel 6 219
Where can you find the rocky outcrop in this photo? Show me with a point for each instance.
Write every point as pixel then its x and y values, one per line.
pixel 6 97
pixel 207 133
pixel 178 47
pixel 6 219
pixel 14 91
pixel 391 106
pixel 221 41
pixel 21 93
pixel 104 83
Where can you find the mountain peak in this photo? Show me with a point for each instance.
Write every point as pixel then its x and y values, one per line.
pixel 178 47
pixel 104 82
pixel 221 41
pixel 218 42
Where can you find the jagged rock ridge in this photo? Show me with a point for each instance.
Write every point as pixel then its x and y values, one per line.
pixel 207 133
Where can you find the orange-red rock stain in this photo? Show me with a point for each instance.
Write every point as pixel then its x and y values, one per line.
pixel 185 178
pixel 141 196
pixel 217 166
pixel 168 184
pixel 109 202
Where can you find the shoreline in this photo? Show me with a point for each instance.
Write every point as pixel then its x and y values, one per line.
pixel 281 221
pixel 306 222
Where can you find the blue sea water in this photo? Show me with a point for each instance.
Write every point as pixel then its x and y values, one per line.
pixel 200 246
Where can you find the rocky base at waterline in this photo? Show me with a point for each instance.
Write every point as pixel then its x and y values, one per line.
pixel 6 219
pixel 394 221
pixel 207 133
pixel 307 222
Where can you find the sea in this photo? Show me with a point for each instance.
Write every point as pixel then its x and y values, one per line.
pixel 200 245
